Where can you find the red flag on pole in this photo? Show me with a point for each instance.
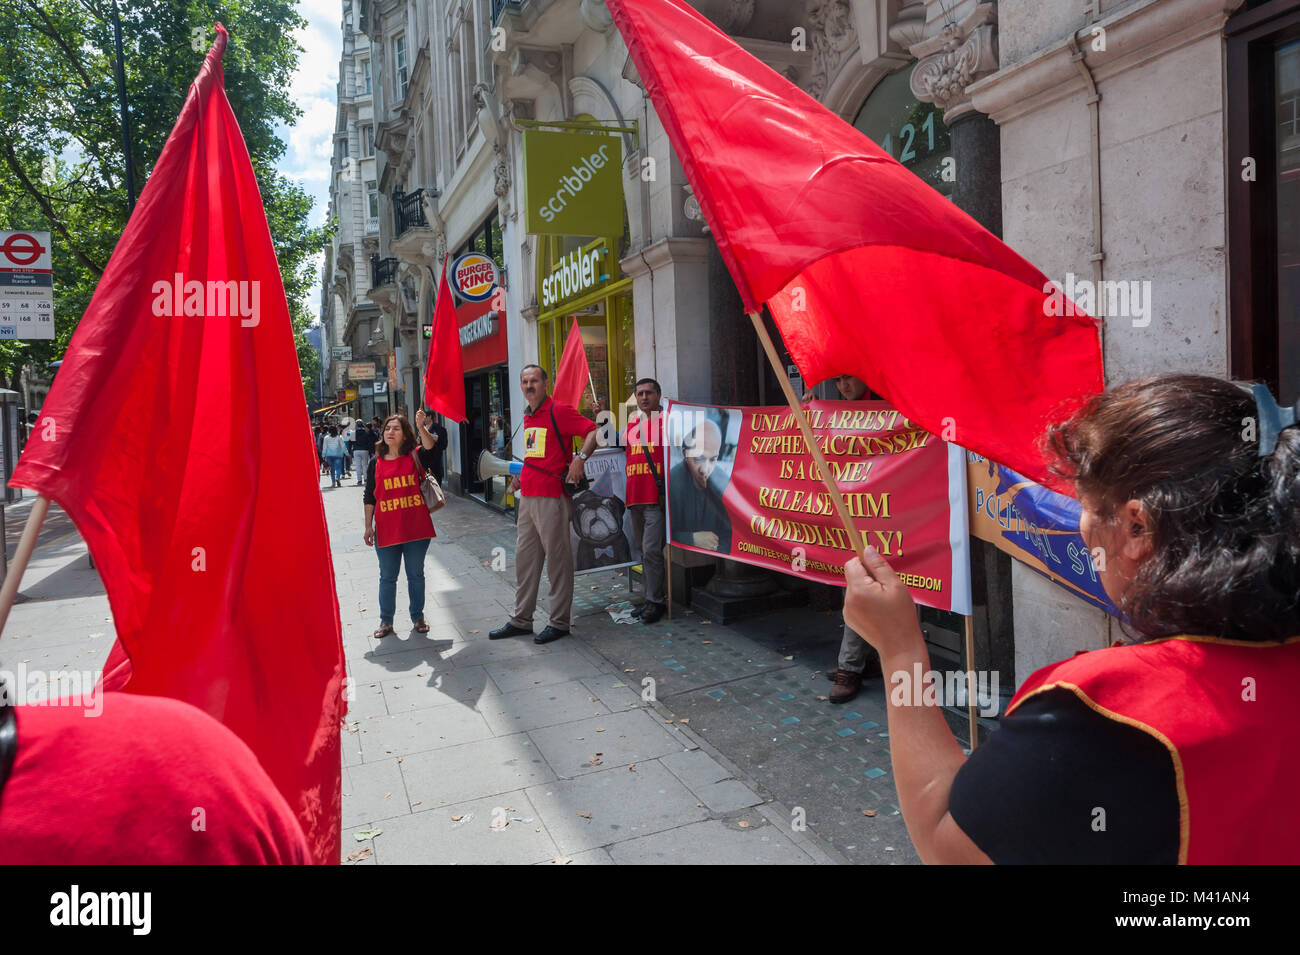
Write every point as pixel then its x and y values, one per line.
pixel 444 376
pixel 176 437
pixel 574 373
pixel 867 270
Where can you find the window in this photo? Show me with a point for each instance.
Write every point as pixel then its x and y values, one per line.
pixel 365 76
pixel 400 70
pixel 367 134
pixel 1263 174
pixel 372 201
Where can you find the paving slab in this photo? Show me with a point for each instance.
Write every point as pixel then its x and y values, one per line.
pixel 554 665
pixel 482 768
pixel 711 843
pixel 421 730
pixel 373 792
pixel 621 804
pixel 463 834
pixel 538 707
pixel 635 736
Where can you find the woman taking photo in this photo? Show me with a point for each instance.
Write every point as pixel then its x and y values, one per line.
pixel 397 519
pixel 1177 744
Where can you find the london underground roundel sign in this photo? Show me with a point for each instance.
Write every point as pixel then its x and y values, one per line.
pixel 474 276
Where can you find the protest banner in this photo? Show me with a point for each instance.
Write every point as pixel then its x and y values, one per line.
pixel 1035 525
pixel 601 531
pixel 742 484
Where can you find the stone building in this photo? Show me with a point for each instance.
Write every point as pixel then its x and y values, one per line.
pixel 1149 144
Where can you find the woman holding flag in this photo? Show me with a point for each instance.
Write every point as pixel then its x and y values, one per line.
pixel 1178 744
pixel 398 524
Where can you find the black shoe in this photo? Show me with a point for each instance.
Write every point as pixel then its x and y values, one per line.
pixel 640 609
pixel 549 634
pixel 653 613
pixel 509 630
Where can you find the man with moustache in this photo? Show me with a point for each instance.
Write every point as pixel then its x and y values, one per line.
pixel 544 507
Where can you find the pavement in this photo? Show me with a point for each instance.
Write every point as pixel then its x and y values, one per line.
pixel 680 742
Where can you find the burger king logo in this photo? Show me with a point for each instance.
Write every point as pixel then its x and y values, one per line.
pixel 474 276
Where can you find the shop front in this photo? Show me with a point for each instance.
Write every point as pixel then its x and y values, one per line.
pixel 485 357
pixel 580 278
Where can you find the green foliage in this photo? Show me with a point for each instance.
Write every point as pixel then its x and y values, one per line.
pixel 62 166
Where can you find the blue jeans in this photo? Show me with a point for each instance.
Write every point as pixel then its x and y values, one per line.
pixel 390 562
pixel 336 467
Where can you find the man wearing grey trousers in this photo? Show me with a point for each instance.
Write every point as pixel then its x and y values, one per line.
pixel 855 653
pixel 645 494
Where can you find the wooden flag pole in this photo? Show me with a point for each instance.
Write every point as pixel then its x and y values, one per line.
pixel 836 497
pixel 26 544
pixel 970 680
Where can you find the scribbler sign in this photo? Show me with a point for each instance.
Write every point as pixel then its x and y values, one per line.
pixel 743 485
pixel 572 184
pixel 474 276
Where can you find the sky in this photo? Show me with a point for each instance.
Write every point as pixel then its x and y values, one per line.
pixel 310 141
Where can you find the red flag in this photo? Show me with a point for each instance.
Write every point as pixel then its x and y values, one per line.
pixel 574 373
pixel 444 376
pixel 867 270
pixel 176 437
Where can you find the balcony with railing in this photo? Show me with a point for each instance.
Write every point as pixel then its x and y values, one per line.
pixel 408 212
pixel 383 272
pixel 413 239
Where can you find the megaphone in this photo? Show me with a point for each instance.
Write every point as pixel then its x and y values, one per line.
pixel 490 466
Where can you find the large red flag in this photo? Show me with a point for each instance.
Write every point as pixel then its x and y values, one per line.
pixel 444 376
pixel 867 270
pixel 574 372
pixel 176 437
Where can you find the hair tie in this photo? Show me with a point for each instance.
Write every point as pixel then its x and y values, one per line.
pixel 1273 419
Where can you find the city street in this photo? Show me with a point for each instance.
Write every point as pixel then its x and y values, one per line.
pixel 458 749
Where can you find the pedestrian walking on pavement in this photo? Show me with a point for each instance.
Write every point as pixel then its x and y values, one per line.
pixel 545 510
pixel 1180 739
pixel 397 519
pixel 363 448
pixel 333 449
pixel 645 470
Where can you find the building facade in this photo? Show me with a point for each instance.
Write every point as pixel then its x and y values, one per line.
pixel 1149 144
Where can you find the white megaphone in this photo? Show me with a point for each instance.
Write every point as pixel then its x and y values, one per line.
pixel 490 466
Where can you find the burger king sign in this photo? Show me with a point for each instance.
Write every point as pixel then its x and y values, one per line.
pixel 474 276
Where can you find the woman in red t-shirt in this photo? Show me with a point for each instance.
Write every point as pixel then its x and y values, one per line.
pixel 397 520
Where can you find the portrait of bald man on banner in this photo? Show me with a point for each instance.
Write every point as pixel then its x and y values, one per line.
pixel 697 482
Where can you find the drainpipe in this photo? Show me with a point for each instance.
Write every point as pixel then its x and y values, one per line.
pixel 1094 102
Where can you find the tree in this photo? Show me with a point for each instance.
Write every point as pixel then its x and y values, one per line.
pixel 62 164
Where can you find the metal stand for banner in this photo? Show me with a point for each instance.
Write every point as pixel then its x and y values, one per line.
pixel 27 544
pixel 668 574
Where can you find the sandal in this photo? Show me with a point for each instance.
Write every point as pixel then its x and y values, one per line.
pixel 421 626
pixel 384 631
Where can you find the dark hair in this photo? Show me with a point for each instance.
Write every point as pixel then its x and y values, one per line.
pixel 648 381
pixel 408 434
pixel 1224 522
pixel 538 367
pixel 334 432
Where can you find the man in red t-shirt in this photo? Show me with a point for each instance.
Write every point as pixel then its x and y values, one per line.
pixel 544 509
pixel 135 780
pixel 645 471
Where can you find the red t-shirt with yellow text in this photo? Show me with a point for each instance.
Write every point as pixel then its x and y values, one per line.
pixel 641 485
pixel 546 454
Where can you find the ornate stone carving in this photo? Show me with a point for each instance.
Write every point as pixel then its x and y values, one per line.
pixel 909 28
pixel 691 208
pixel 501 170
pixel 730 16
pixel 596 15
pixel 955 58
pixel 833 37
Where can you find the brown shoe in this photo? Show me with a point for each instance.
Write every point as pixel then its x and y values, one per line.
pixel 847 686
